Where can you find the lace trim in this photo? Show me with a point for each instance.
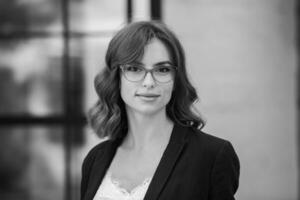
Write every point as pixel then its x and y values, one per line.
pixel 141 187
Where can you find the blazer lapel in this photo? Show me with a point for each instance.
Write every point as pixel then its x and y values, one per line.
pixel 102 162
pixel 167 162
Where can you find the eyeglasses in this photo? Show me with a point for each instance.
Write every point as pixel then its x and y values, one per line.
pixel 136 72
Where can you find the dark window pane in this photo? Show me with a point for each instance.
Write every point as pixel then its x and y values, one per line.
pixel 32 163
pixel 30 15
pixel 31 77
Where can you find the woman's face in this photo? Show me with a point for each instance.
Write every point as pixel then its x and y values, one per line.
pixel 148 96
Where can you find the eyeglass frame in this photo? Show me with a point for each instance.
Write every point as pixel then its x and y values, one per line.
pixel 121 66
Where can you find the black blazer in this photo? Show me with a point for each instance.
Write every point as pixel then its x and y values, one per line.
pixel 195 165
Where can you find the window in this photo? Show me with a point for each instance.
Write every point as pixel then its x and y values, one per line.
pixel 48 49
pixel 50 52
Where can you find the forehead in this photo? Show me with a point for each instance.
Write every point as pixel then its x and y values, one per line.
pixel 155 52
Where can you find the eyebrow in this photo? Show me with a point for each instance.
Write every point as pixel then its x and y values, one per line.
pixel 157 64
pixel 163 63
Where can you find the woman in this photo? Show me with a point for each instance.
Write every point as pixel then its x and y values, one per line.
pixel 155 147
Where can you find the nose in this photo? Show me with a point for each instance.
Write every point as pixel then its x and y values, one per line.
pixel 148 81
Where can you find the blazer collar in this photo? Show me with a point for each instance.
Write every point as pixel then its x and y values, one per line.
pixel 170 156
pixel 167 163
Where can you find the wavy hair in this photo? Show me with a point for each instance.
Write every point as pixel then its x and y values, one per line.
pixel 108 116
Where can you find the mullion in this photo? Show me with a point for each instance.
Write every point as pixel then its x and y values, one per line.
pixel 79 120
pixel 65 5
pixel 48 34
pixel 156 9
pixel 129 11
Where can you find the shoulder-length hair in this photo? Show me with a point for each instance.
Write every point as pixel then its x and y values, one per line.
pixel 108 116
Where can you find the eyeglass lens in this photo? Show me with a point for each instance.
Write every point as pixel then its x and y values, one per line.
pixel 136 73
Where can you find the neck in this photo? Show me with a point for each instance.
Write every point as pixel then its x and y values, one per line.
pixel 147 130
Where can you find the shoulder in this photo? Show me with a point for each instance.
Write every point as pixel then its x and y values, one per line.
pixel 211 147
pixel 205 141
pixel 89 161
pixel 95 152
pixel 220 156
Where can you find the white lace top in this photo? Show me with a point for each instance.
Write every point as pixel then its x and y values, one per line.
pixel 110 189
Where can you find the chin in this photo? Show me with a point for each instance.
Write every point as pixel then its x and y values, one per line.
pixel 147 110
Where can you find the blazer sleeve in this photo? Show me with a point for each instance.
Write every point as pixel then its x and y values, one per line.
pixel 225 174
pixel 85 171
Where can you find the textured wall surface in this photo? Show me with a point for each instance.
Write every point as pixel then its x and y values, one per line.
pixel 241 56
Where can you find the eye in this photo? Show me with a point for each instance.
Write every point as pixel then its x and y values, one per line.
pixel 133 68
pixel 163 69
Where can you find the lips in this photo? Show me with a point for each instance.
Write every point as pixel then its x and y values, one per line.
pixel 148 95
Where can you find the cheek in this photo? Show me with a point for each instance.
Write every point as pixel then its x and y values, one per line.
pixel 168 90
pixel 126 90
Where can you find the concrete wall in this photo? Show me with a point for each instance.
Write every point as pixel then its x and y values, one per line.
pixel 241 56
